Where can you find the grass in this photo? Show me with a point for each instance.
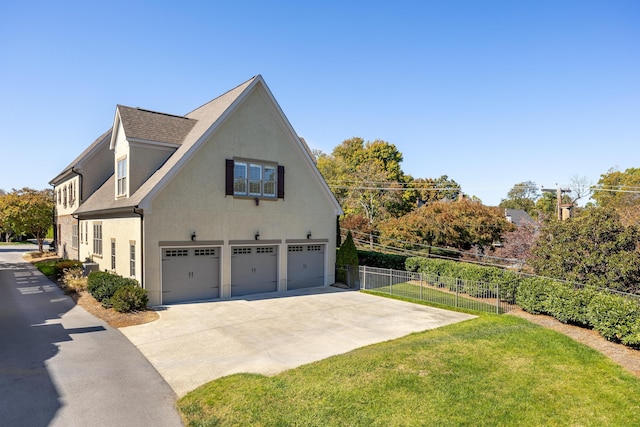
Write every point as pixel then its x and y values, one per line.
pixel 46 267
pixel 493 370
pixel 435 296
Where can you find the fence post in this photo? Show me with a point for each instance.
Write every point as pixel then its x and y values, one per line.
pixel 390 281
pixel 497 297
pixel 420 286
pixel 363 285
pixel 457 285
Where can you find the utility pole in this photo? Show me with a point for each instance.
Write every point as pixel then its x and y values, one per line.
pixel 559 192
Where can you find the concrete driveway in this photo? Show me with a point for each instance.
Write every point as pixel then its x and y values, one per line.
pixel 192 344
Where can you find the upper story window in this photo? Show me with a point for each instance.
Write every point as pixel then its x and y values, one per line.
pixel 255 179
pixel 64 196
pixel 122 177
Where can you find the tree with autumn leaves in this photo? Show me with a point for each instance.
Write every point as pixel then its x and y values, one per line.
pixel 382 202
pixel 27 212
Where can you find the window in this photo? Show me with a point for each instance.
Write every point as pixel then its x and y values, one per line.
pixel 86 233
pixel 132 259
pixel 64 196
pixel 122 176
pixel 254 179
pixel 97 238
pixel 113 254
pixel 59 197
pixel 59 236
pixel 74 236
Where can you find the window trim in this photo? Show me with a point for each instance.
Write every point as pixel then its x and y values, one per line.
pixel 74 236
pixel 113 254
pixel 121 176
pixel 97 238
pixel 241 183
pixel 132 258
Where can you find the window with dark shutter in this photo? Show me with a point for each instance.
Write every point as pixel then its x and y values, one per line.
pixel 229 178
pixel 280 182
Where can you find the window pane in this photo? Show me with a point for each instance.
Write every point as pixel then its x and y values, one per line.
pixel 240 178
pixel 255 180
pixel 269 181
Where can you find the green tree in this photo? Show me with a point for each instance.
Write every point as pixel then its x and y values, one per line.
pixel 523 196
pixel 462 224
pixel 27 211
pixel 594 248
pixel 347 258
pixel 620 191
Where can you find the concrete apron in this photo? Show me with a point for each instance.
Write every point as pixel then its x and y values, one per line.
pixel 192 344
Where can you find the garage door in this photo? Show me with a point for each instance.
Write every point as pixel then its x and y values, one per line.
pixel 305 266
pixel 190 274
pixel 254 269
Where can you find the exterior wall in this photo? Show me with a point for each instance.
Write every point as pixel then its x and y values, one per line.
pixel 67 199
pixel 123 231
pixel 95 171
pixel 195 198
pixel 143 162
pixel 120 151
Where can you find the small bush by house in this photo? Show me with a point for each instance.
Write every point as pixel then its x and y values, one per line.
pixel 129 298
pixel 64 264
pixel 103 286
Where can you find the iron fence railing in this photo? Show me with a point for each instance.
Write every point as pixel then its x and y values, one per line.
pixel 446 291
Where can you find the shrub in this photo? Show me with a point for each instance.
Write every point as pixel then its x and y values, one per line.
pixel 74 280
pixel 60 266
pixel 532 293
pixel 567 304
pixel 129 298
pixel 103 285
pixel 377 259
pixel 615 317
pixel 347 257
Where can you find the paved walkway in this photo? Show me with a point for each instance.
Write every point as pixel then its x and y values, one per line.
pixel 192 344
pixel 61 366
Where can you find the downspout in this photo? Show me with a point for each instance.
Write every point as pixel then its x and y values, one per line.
pixel 142 284
pixel 80 184
pixel 54 219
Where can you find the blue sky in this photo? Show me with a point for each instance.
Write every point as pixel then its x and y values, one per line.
pixel 490 93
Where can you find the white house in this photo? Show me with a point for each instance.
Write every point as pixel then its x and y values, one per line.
pixel 223 201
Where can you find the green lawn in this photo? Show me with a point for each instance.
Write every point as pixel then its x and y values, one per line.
pixel 493 371
pixel 46 267
pixel 436 296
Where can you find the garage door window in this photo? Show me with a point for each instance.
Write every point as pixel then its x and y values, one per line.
pixel 175 252
pixel 314 248
pixel 241 251
pixel 205 252
pixel 265 250
pixel 295 248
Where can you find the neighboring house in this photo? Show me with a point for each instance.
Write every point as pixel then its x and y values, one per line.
pixel 199 206
pixel 518 217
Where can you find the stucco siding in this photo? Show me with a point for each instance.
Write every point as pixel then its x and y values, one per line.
pixel 194 200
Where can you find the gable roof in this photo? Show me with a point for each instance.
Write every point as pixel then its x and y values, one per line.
pixel 150 126
pixel 518 217
pixel 204 121
pixel 100 142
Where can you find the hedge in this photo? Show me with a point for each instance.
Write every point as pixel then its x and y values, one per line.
pixel 129 298
pixel 615 317
pixel 377 259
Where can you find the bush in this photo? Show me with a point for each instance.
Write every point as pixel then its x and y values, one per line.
pixel 616 318
pixel 567 304
pixel 64 264
pixel 347 257
pixel 532 294
pixel 129 298
pixel 74 280
pixel 377 259
pixel 103 285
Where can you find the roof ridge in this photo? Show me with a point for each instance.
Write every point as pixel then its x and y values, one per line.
pixel 145 110
pixel 220 96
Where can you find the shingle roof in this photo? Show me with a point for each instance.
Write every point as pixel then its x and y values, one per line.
pixel 101 140
pixel 152 126
pixel 518 217
pixel 202 120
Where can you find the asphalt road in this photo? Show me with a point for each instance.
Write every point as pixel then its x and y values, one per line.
pixel 61 366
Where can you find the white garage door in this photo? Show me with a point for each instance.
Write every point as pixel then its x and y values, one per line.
pixel 190 274
pixel 305 266
pixel 254 270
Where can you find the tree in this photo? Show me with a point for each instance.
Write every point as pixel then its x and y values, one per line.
pixel 522 196
pixel 27 211
pixel 347 258
pixel 620 191
pixel 517 243
pixel 429 190
pixel 461 224
pixel 580 188
pixel 594 248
